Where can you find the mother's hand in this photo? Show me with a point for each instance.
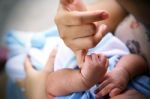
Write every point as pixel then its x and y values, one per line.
pixel 77 26
pixel 35 81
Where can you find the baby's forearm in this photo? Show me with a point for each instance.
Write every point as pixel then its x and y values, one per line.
pixel 65 81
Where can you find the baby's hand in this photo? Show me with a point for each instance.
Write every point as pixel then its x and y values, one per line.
pixel 114 83
pixel 94 68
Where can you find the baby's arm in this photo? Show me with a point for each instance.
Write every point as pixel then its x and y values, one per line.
pixel 65 81
pixel 133 64
pixel 116 81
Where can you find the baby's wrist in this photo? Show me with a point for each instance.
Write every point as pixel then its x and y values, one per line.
pixel 87 82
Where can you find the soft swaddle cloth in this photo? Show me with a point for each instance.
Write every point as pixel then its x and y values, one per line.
pixel 110 46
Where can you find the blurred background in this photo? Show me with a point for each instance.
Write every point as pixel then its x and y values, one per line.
pixel 27 16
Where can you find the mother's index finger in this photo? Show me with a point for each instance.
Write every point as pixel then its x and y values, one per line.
pixel 83 17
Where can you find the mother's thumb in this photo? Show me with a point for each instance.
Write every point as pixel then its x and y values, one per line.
pixel 102 30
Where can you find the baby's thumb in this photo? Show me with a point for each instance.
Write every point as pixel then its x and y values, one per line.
pixel 102 29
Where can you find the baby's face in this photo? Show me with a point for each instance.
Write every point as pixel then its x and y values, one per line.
pixel 139 8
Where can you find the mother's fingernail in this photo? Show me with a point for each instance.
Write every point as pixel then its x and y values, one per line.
pixel 104 15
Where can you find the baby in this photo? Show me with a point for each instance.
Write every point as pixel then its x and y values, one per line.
pixel 94 68
pixel 70 22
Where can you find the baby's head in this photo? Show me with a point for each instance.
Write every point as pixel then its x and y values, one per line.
pixel 139 8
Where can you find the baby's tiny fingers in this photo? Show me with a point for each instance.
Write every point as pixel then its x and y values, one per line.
pixel 98 94
pixel 95 58
pixel 106 90
pixel 104 84
pixel 115 92
pixel 102 59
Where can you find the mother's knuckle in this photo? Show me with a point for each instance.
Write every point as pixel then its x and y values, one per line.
pixel 80 20
pixel 92 29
